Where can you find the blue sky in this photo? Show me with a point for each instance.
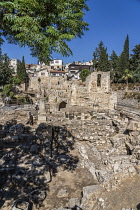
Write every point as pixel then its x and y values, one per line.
pixel 109 21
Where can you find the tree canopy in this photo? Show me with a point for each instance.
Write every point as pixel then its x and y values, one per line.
pixel 45 26
pixel 100 58
pixel 5 71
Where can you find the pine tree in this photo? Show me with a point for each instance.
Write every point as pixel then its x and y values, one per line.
pixel 103 63
pixel 113 61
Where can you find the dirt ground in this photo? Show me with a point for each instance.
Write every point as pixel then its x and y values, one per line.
pixel 126 196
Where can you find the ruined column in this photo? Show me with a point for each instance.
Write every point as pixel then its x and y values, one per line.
pixel 42 110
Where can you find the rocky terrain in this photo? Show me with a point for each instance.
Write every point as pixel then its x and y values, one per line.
pixel 79 151
pixel 85 160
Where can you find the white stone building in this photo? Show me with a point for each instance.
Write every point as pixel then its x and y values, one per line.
pixel 13 64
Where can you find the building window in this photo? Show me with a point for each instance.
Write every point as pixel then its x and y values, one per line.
pixel 56 61
pixel 52 67
pixel 42 73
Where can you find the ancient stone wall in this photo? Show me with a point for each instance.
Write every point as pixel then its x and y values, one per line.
pixel 94 93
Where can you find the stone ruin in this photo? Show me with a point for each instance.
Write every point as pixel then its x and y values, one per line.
pixel 95 93
pixel 85 150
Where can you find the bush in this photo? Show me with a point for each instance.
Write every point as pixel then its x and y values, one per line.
pixel 11 94
pixel 47 98
pixel 84 73
pixel 6 90
pixel 16 80
pixel 21 100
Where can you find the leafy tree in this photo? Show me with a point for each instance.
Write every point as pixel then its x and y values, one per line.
pixel 5 71
pixel 21 71
pixel 84 73
pixel 45 26
pixel 101 58
pixel 126 76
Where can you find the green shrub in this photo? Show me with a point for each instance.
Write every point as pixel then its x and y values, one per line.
pixel 6 90
pixel 11 94
pixel 21 100
pixel 47 98
pixel 39 80
pixel 84 73
pixel 16 80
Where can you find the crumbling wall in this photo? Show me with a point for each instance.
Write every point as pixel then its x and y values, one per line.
pixel 74 93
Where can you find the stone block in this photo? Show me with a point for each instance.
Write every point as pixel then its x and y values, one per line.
pixel 74 202
pixel 88 190
pixel 62 193
pixel 41 118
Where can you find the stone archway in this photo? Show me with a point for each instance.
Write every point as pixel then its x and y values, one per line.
pixel 62 105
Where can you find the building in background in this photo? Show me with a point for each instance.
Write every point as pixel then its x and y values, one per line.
pixel 56 65
pixel 13 64
pixel 75 68
pixel 55 73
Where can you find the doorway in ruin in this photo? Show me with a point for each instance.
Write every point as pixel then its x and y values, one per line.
pixel 62 105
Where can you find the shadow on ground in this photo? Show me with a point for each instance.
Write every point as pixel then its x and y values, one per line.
pixel 28 160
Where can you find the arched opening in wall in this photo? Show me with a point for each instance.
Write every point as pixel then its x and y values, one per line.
pixel 62 105
pixel 99 80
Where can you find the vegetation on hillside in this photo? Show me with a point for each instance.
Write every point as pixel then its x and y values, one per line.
pixel 119 65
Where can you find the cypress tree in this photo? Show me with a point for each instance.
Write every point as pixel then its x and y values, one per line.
pixel 126 53
pixel 123 61
pixel 21 71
